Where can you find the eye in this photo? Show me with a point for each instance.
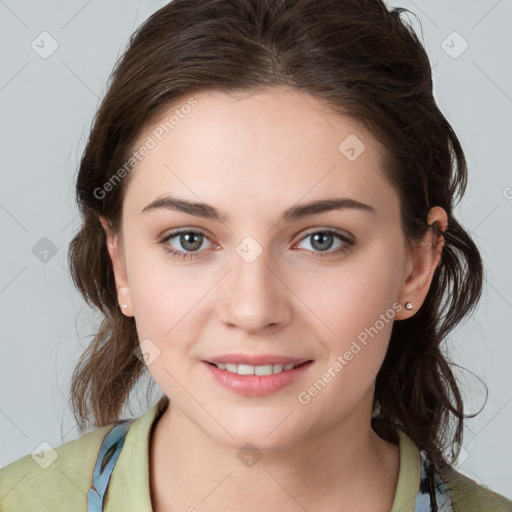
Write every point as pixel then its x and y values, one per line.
pixel 322 240
pixel 189 239
pixel 191 242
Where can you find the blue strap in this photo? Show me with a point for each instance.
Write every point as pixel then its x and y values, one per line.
pixel 107 457
pixel 443 494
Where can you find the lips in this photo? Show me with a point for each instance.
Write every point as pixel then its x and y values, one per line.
pixel 256 360
pixel 247 381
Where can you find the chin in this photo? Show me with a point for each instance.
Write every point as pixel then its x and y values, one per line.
pixel 267 436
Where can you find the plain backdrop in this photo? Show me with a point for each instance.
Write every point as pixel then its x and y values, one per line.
pixel 49 93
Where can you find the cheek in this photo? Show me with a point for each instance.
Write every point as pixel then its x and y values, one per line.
pixel 353 309
pixel 161 291
pixel 168 314
pixel 351 297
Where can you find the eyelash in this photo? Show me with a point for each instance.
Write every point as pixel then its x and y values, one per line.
pixel 348 242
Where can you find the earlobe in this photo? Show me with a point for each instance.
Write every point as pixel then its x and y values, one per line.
pixel 125 301
pixel 120 276
pixel 425 258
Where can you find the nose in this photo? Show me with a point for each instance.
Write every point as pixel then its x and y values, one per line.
pixel 255 296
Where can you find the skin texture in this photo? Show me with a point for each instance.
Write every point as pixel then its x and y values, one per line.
pixel 252 156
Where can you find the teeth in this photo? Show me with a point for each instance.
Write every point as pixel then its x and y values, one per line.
pixel 247 369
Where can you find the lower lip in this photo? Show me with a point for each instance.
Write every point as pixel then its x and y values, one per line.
pixel 256 385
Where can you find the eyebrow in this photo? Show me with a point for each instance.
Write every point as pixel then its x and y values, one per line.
pixel 291 214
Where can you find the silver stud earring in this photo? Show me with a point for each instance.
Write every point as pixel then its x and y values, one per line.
pixel 124 306
pixel 408 305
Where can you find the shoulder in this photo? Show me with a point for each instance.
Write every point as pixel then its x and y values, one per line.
pixel 470 496
pixel 54 479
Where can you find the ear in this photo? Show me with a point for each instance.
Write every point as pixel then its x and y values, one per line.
pixel 424 257
pixel 121 279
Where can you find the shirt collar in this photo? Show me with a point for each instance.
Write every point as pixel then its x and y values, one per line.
pixel 408 476
pixel 129 484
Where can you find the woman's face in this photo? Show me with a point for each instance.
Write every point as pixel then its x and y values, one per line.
pixel 249 281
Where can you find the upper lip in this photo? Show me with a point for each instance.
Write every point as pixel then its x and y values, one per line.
pixel 256 360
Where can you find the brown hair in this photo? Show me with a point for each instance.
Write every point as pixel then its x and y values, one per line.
pixel 363 61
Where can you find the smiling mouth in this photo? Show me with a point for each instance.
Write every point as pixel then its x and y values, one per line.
pixel 247 369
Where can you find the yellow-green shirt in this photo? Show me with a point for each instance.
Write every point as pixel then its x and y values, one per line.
pixel 38 483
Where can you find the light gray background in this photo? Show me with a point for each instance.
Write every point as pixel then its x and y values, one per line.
pixel 47 105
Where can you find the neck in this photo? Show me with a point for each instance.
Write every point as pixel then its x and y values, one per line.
pixel 347 467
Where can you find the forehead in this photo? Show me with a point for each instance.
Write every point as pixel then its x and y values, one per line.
pixel 263 148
